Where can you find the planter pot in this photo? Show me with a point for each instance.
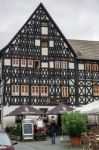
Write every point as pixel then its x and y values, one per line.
pixel 41 138
pixel 75 141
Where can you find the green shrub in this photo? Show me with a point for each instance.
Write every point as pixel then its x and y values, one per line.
pixel 74 123
pixel 40 135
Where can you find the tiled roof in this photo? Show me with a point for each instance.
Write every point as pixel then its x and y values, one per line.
pixel 85 49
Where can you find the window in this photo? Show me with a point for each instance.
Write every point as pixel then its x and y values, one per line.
pixel 15 90
pixel 94 67
pixel 51 64
pixel 96 90
pixel 44 65
pixel 87 66
pixel 64 91
pixel 44 91
pixel 7 62
pixel 63 65
pixel 23 63
pixel 45 51
pixel 44 43
pixel 57 64
pixel 36 64
pixel 15 62
pixel 81 66
pixel 37 42
pixel 91 67
pixel 45 117
pixel 44 28
pixel 24 90
pixel 51 43
pixel 71 65
pixel 30 63
pixel 44 24
pixel 34 90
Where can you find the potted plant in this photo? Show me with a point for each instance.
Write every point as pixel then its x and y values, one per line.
pixel 18 132
pixel 74 123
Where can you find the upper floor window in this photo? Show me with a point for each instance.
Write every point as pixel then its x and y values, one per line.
pixel 30 63
pixel 81 66
pixel 57 64
pixel 36 64
pixel 15 90
pixel 44 28
pixel 15 62
pixel 96 90
pixel 44 43
pixel 44 24
pixel 64 91
pixel 87 66
pixel 63 65
pixel 44 91
pixel 23 62
pixel 34 90
pixel 94 67
pixel 91 67
pixel 24 90
pixel 37 42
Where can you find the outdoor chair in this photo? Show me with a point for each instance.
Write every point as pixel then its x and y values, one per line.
pixel 85 142
pixel 96 130
pixel 94 145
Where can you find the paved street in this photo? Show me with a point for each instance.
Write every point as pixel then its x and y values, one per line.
pixel 45 145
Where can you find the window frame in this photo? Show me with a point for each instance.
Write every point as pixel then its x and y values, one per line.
pixel 64 91
pixel 23 62
pixel 35 91
pixel 24 90
pixel 95 90
pixel 15 62
pixel 15 90
pixel 44 91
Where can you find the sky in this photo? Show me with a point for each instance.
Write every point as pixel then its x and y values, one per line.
pixel 77 19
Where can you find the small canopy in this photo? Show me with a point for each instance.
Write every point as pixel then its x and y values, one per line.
pixel 60 109
pixel 25 110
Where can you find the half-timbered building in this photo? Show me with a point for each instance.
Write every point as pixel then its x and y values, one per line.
pixel 40 67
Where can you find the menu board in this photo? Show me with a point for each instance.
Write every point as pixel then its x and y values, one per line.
pixel 27 128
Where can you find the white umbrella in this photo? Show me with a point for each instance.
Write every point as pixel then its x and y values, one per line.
pixel 91 108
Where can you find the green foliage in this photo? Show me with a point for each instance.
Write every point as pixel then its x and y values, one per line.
pixel 74 123
pixel 18 129
pixel 14 130
pixel 40 135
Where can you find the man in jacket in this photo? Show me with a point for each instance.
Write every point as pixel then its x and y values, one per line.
pixel 53 131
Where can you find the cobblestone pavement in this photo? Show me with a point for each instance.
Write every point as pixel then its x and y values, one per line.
pixel 45 145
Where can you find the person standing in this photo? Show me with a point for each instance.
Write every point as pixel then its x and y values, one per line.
pixel 53 131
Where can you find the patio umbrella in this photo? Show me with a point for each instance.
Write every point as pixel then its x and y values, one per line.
pixel 91 108
pixel 25 110
pixel 59 109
